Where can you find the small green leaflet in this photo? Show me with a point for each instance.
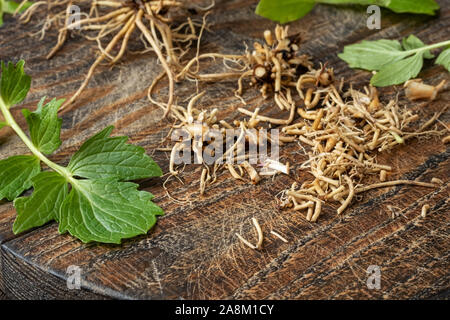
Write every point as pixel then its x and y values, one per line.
pixel 285 11
pixel 91 198
pixel 14 83
pixel 45 126
pixel 15 175
pixel 3 124
pixel 444 59
pixel 395 62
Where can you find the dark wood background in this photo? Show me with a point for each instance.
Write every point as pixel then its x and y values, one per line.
pixel 193 252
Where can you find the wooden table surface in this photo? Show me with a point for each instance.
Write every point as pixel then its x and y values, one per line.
pixel 193 252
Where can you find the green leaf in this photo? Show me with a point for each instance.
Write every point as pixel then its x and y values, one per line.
pixel 103 157
pixel 99 207
pixel 398 72
pixel 1 12
pixel 3 124
pixel 45 126
pixel 396 63
pixel 50 189
pixel 290 10
pixel 444 59
pixel 14 83
pixel 414 6
pixel 373 55
pixel 412 42
pixel 284 11
pixel 15 175
pixel 107 211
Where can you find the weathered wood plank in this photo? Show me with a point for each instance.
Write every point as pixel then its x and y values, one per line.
pixel 193 252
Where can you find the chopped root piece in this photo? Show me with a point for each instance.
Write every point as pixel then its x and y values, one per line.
pixel 305 205
pixel 317 211
pixel 233 172
pixel 260 234
pixel 309 213
pixel 383 175
pixel 277 166
pixel 344 134
pixel 341 130
pixel 274 66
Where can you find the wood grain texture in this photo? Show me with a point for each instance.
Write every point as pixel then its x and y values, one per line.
pixel 193 252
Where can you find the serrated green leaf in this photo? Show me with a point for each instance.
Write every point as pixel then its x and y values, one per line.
pixel 284 11
pixel 50 189
pixel 372 55
pixel 14 83
pixel 103 157
pixel 412 42
pixel 398 72
pixel 444 59
pixel 107 211
pixel 15 175
pixel 45 126
pixel 414 6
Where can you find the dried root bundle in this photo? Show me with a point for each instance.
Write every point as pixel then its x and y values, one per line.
pixel 116 20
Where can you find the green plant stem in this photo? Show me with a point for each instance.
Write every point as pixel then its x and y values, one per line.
pixel 9 120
